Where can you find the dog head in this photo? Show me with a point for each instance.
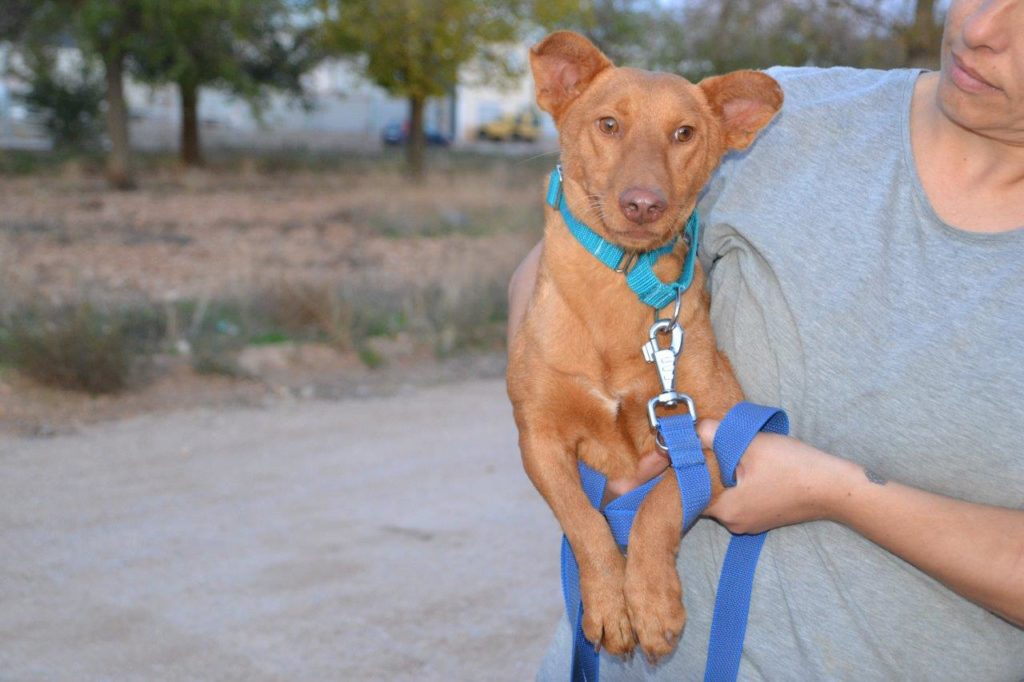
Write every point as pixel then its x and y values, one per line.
pixel 638 146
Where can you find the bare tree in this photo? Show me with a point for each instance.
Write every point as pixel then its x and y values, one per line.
pixel 699 37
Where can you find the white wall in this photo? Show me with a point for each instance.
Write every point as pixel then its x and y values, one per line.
pixel 477 105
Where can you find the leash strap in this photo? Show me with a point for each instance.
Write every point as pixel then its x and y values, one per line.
pixel 687 459
pixel 640 277
pixel 619 513
pixel 732 601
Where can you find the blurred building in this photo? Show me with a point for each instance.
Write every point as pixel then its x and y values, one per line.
pixel 341 110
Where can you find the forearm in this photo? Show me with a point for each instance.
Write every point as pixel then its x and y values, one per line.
pixel 520 289
pixel 975 550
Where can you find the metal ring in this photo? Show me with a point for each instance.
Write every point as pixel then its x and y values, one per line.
pixel 679 305
pixel 678 308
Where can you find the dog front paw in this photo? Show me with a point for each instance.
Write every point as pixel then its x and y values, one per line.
pixel 655 605
pixel 606 622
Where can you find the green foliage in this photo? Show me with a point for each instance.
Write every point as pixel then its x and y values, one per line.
pixel 371 358
pixel 703 37
pixel 239 45
pixel 624 29
pixel 271 338
pixel 105 30
pixel 242 45
pixel 192 41
pixel 111 29
pixel 699 39
pixel 414 48
pixel 16 17
pixel 67 104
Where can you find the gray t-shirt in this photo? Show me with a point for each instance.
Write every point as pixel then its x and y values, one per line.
pixel 893 340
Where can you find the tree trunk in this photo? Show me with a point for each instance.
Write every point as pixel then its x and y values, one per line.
pixel 924 37
pixel 416 144
pixel 119 161
pixel 191 154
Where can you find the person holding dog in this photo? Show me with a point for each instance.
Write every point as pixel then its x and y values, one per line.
pixel 866 264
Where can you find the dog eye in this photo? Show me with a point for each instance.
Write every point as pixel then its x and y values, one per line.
pixel 683 134
pixel 608 125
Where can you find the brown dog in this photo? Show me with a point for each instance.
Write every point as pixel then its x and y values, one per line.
pixel 636 149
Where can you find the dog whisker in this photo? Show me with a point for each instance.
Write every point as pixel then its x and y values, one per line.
pixel 594 212
pixel 596 209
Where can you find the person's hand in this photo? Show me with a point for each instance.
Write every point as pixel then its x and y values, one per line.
pixel 780 481
pixel 649 466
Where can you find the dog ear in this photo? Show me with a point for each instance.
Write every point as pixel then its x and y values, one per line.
pixel 745 101
pixel 563 65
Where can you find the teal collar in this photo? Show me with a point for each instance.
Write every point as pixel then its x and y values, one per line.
pixel 638 266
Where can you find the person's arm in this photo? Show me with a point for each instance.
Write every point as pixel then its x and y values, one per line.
pixel 520 288
pixel 976 550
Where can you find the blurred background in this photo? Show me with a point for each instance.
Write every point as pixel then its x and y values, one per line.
pixel 228 227
pixel 356 177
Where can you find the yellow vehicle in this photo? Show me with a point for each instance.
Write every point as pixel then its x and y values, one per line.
pixel 523 126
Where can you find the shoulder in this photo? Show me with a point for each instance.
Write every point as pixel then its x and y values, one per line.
pixel 808 87
pixel 834 109
pixel 835 127
pixel 823 101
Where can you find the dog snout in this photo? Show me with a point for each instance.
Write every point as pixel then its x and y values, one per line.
pixel 641 205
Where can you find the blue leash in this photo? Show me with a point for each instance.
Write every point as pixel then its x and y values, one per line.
pixel 732 602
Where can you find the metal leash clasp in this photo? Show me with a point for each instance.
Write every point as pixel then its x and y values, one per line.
pixel 664 359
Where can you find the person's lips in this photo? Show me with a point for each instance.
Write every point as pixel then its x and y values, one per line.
pixel 968 79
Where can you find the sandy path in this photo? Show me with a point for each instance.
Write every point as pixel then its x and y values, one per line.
pixel 385 539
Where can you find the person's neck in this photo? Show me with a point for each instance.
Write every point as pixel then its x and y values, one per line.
pixel 973 181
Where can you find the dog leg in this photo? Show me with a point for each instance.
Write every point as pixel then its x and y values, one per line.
pixel 654 596
pixel 602 566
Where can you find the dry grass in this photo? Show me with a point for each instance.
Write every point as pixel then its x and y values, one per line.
pixel 268 250
pixel 206 234
pixel 81 347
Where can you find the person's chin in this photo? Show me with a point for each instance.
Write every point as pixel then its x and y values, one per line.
pixel 966 109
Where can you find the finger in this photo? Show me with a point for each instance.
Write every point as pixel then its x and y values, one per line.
pixel 706 430
pixel 651 464
pixel 720 505
pixel 741 471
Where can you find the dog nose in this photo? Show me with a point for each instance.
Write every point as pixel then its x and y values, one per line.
pixel 642 205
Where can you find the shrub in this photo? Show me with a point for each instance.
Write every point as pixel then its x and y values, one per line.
pixel 81 348
pixel 67 106
pixel 307 309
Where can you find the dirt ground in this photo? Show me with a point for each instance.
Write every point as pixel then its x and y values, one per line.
pixel 190 234
pixel 391 538
pixel 201 235
pixel 308 519
pixel 282 374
